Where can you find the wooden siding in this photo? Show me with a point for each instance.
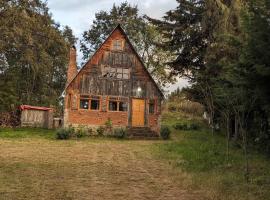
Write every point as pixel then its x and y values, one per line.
pixel 91 80
pixel 36 118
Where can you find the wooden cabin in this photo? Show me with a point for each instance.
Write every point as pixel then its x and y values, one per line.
pixel 114 84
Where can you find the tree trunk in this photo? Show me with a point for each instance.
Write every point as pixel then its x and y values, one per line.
pixel 228 137
pixel 244 134
pixel 236 129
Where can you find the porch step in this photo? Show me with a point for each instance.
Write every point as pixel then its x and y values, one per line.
pixel 141 133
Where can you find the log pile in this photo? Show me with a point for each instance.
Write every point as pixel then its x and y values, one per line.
pixel 9 119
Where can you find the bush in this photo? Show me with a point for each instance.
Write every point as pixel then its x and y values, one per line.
pixel 108 127
pixel 165 132
pixel 194 126
pixel 119 133
pixel 64 133
pixel 180 126
pixel 80 132
pixel 100 131
pixel 90 132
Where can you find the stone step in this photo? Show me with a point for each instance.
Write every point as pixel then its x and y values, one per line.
pixel 141 133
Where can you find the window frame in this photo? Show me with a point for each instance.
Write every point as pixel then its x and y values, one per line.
pixel 83 99
pixel 90 98
pixel 117 100
pixel 152 101
pixel 121 46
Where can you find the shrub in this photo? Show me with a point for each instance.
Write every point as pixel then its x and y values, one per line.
pixel 165 132
pixel 194 126
pixel 119 133
pixel 100 131
pixel 80 132
pixel 172 107
pixel 109 127
pixel 90 131
pixel 180 126
pixel 64 133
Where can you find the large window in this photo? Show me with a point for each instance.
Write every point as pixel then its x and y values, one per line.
pixel 92 102
pixel 118 104
pixel 118 45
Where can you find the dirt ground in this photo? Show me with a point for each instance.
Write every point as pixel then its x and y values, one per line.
pixel 88 169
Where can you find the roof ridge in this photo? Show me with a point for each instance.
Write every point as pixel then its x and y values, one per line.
pixel 134 50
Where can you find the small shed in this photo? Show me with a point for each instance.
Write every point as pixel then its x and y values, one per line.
pixel 34 116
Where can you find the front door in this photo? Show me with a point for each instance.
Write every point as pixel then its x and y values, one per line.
pixel 138 106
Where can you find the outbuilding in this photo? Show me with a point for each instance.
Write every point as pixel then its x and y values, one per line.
pixel 34 116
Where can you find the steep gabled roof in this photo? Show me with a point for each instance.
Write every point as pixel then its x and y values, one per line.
pixel 133 49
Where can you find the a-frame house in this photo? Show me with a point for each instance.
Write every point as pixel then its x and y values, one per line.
pixel 114 84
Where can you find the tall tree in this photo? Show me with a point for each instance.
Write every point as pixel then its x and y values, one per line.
pixel 34 51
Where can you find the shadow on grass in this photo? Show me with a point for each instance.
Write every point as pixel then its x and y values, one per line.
pixel 27 133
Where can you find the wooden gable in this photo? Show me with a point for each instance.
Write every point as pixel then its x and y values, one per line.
pixel 115 69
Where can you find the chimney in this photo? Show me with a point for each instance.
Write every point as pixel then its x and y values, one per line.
pixel 72 65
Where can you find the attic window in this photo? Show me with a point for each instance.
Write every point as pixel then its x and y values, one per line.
pixel 118 45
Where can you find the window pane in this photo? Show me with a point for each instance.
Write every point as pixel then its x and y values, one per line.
pixel 117 45
pixel 125 76
pixel 112 105
pixel 84 103
pixel 94 104
pixel 119 70
pixel 123 106
pixel 119 75
pixel 113 70
pixel 126 71
pixel 152 106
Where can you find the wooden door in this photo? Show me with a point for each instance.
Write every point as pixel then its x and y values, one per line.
pixel 138 107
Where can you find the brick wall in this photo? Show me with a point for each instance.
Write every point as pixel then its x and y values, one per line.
pixel 72 65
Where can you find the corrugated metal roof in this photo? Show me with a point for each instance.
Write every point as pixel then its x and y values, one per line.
pixel 28 107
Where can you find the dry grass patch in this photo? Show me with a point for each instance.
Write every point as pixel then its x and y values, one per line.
pixel 34 168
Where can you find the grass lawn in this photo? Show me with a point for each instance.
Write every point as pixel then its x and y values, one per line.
pixel 34 165
pixel 205 158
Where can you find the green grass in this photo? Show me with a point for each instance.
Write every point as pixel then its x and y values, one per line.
pixel 197 153
pixel 205 157
pixel 15 133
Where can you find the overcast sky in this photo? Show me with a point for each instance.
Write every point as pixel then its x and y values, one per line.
pixel 79 14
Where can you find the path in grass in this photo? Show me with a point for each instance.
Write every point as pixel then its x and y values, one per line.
pixel 99 169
